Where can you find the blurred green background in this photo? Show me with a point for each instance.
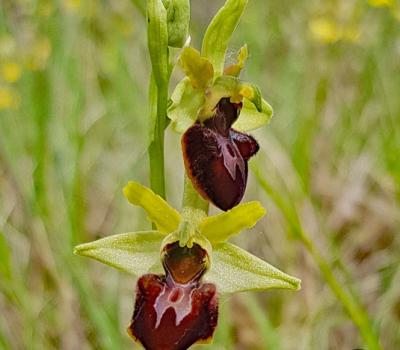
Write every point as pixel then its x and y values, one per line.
pixel 73 130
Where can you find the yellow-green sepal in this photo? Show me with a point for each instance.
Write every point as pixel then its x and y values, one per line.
pixel 165 217
pixel 186 103
pixel 136 253
pixel 219 228
pixel 235 270
pixel 198 69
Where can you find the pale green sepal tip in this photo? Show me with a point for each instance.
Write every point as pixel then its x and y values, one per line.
pixel 235 270
pixel 252 93
pixel 219 228
pixel 250 118
pixel 165 217
pixel 136 253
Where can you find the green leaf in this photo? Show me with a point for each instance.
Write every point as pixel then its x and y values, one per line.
pixel 157 37
pixel 219 228
pixel 136 252
pixel 219 32
pixel 250 118
pixel 165 217
pixel 235 270
pixel 186 103
pixel 5 258
pixel 157 40
pixel 178 18
pixel 198 69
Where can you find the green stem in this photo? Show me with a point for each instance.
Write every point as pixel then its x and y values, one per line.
pixel 352 306
pixel 157 42
pixel 194 209
pixel 191 197
pixel 156 147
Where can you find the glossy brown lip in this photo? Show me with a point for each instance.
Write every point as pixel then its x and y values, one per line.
pixel 215 156
pixel 170 315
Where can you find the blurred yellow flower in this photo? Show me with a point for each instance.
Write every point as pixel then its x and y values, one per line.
pixel 327 31
pixel 9 98
pixel 72 5
pixel 10 72
pixel 382 3
pixel 324 30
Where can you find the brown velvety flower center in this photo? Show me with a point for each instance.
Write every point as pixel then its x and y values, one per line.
pixel 184 264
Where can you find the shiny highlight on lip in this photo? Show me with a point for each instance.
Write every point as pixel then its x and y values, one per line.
pixel 215 156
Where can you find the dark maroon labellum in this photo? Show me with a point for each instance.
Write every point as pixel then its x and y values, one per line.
pixel 216 156
pixel 174 311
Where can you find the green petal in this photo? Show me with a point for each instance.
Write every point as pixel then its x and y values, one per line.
pixel 252 93
pixel 136 252
pixel 165 217
pixel 235 270
pixel 250 118
pixel 186 103
pixel 236 68
pixel 219 32
pixel 198 69
pixel 220 227
pixel 157 37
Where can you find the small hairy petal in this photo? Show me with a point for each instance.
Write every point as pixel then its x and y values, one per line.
pixel 246 144
pixel 172 316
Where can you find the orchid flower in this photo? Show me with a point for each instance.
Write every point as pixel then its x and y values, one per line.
pixel 180 281
pixel 213 112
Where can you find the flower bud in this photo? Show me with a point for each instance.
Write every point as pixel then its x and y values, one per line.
pixel 178 18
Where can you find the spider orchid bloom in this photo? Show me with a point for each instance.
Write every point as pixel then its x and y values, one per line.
pixel 213 112
pixel 182 267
